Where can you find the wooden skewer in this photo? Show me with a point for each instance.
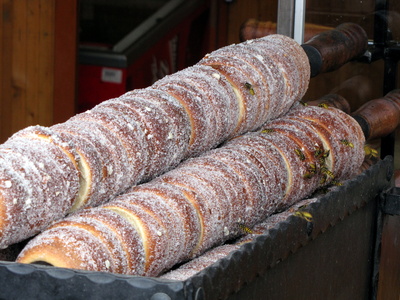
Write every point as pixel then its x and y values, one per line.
pixel 379 117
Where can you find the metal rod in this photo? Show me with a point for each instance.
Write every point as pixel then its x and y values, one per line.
pixel 381 22
pixel 389 84
pixel 285 20
pixel 390 65
pixel 390 74
pixel 299 21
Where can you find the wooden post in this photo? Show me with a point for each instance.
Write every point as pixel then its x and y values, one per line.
pixel 37 63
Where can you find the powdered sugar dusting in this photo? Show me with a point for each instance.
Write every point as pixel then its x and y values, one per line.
pixel 29 205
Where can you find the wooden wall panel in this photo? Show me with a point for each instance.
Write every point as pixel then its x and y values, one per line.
pixel 389 269
pixel 65 59
pixel 30 74
pixel 5 66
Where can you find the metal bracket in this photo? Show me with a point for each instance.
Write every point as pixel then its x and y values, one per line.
pixel 390 201
pixel 291 19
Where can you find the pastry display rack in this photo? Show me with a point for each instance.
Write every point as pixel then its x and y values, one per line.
pixel 336 256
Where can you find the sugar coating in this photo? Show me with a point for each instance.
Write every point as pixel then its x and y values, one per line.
pixel 341 128
pixel 108 237
pixel 269 83
pixel 166 215
pixel 174 115
pixel 149 229
pixel 288 70
pixel 210 212
pixel 126 235
pixel 205 179
pixel 70 247
pixel 247 86
pixel 90 166
pixel 252 84
pixel 297 188
pixel 298 55
pixel 28 200
pixel 357 138
pixel 221 95
pixel 175 199
pixel 107 152
pixel 219 184
pixel 291 58
pixel 47 134
pixel 105 126
pixel 15 191
pixel 156 130
pixel 278 178
pixel 306 144
pixel 275 78
pixel 197 106
pixel 128 127
pixel 270 168
pixel 232 185
pixel 189 269
pixel 251 178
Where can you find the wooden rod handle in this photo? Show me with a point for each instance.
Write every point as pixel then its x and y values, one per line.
pixel 253 28
pixel 379 117
pixel 332 100
pixel 331 49
pixel 396 178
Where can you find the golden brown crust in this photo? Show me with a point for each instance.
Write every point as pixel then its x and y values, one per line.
pixel 106 237
pixel 247 87
pixel 270 165
pixel 68 247
pixel 126 236
pixel 32 194
pixel 175 118
pixel 230 181
pixel 207 118
pixel 92 141
pixel 344 139
pixel 152 234
pixel 209 223
pixel 176 199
